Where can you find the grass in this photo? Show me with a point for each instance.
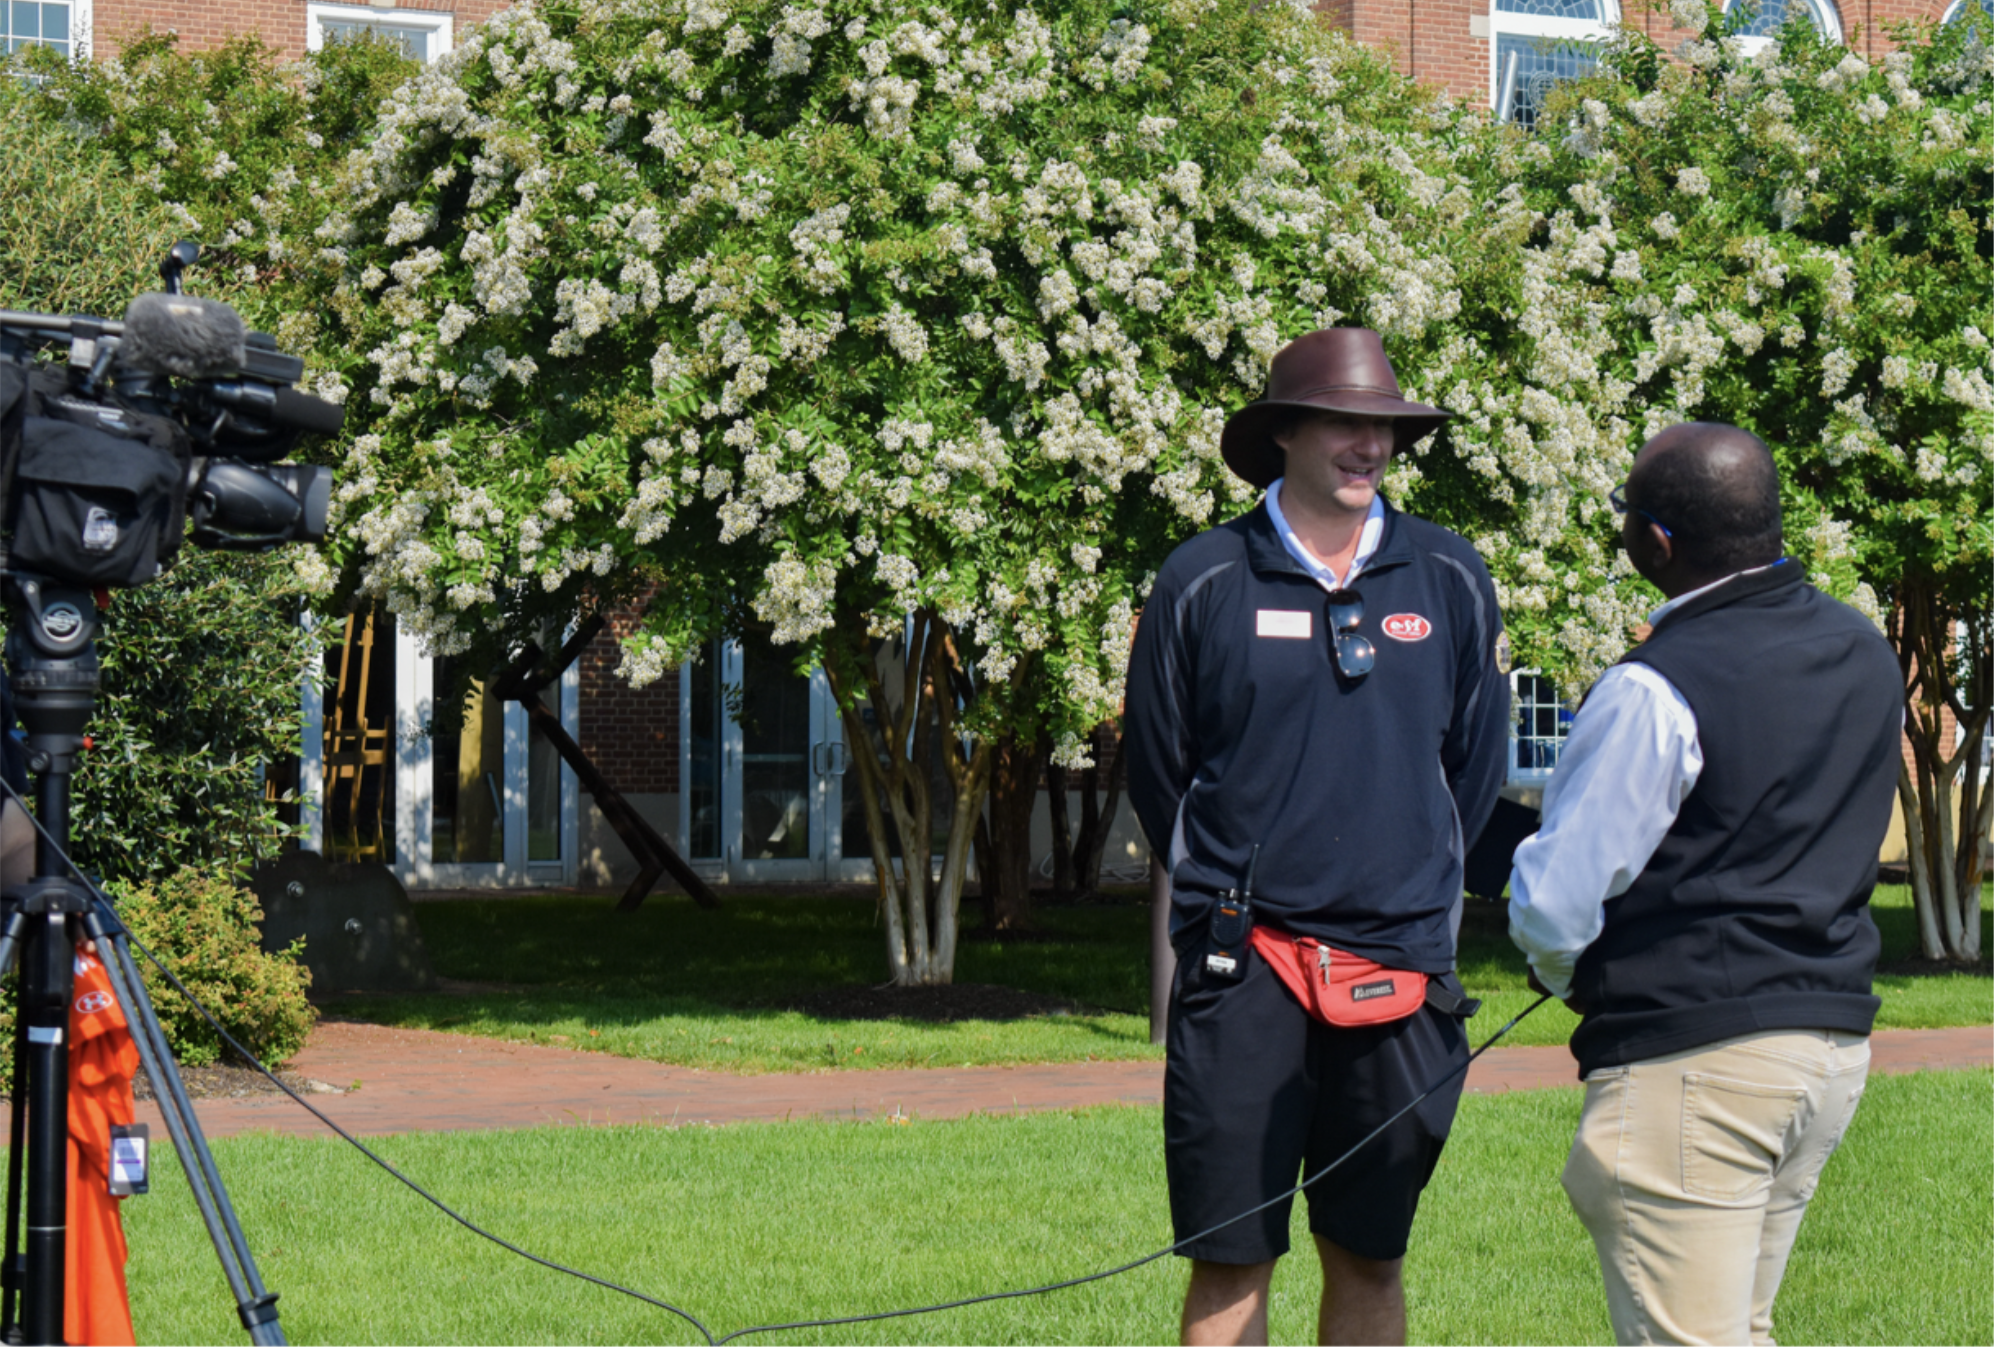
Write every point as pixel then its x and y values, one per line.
pixel 755 1223
pixel 678 984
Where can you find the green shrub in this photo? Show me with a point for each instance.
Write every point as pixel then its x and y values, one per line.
pixel 202 687
pixel 204 928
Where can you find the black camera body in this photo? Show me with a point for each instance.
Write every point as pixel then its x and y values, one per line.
pixel 156 430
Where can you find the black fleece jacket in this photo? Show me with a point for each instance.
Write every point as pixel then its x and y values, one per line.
pixel 1365 796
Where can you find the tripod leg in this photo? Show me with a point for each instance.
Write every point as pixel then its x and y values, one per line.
pixel 256 1306
pixel 48 977
pixel 12 1270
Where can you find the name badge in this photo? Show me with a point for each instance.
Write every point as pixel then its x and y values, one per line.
pixel 1284 622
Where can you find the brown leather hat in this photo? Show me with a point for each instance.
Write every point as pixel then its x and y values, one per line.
pixel 1334 370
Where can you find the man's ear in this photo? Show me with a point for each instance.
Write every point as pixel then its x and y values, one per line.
pixel 1661 548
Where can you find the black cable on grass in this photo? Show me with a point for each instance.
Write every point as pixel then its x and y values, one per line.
pixel 1451 1073
pixel 706 1333
pixel 318 1114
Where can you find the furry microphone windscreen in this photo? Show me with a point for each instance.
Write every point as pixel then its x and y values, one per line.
pixel 182 336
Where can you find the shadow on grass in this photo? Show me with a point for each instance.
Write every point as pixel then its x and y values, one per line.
pixel 786 971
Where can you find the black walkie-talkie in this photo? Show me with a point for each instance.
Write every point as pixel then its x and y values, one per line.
pixel 1231 928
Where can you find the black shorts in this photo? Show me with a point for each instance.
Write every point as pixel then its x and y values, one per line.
pixel 1259 1094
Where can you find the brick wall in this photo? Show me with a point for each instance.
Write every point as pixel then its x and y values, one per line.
pixel 1436 42
pixel 632 735
pixel 205 23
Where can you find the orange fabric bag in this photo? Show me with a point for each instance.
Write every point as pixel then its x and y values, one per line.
pixel 102 1062
pixel 1337 987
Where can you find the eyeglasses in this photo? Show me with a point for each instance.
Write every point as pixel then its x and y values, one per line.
pixel 1355 655
pixel 1618 496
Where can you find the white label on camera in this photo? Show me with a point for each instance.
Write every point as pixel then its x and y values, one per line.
pixel 1285 622
pixel 100 530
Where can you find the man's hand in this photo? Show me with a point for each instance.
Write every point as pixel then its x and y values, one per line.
pixel 1537 986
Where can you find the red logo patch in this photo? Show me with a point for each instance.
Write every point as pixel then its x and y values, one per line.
pixel 1408 627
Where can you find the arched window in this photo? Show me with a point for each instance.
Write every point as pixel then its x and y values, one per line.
pixel 1770 15
pixel 1550 40
pixel 1961 8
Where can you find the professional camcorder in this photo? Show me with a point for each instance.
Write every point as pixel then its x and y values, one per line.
pixel 159 429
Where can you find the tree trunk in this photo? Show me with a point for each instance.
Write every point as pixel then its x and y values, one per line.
pixel 1014 790
pixel 1056 792
pixel 1092 846
pixel 1077 857
pixel 1946 798
pixel 892 756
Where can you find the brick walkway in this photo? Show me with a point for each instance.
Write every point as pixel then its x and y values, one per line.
pixel 424 1081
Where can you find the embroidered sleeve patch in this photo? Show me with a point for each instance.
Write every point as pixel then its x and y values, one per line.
pixel 1282 622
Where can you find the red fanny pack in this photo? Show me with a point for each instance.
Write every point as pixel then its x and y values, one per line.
pixel 1337 987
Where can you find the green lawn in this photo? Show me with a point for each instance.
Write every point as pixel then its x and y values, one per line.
pixel 754 1223
pixel 678 984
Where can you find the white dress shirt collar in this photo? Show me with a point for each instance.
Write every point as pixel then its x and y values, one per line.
pixel 1681 599
pixel 1368 538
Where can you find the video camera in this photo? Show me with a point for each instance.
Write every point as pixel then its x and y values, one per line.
pixel 161 428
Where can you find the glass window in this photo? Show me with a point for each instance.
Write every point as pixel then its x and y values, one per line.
pixel 1549 40
pixel 359 758
pixel 415 41
pixel 467 786
pixel 543 785
pixel 706 703
pixel 26 24
pixel 1961 8
pixel 422 34
pixel 1542 723
pixel 1769 16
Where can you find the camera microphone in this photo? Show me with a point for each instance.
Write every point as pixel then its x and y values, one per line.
pixel 182 336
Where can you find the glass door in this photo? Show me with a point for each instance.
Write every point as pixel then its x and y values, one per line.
pixel 484 799
pixel 762 765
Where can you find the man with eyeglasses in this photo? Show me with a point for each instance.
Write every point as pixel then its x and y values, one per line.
pixel 1698 891
pixel 1316 696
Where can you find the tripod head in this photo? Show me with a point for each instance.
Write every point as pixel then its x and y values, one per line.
pixel 51 654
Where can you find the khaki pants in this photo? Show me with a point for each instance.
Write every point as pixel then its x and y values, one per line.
pixel 1692 1172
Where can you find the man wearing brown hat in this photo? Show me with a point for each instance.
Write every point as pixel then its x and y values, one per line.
pixel 1316 726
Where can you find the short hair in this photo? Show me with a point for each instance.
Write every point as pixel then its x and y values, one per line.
pixel 1717 493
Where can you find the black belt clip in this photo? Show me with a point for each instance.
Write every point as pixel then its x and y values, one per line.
pixel 1231 930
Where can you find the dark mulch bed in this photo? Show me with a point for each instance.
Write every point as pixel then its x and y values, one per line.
pixel 232 1081
pixel 228 1081
pixel 954 1001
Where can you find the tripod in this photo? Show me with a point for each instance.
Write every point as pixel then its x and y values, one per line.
pixel 52 657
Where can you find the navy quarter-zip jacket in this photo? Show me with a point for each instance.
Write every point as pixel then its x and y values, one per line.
pixel 1362 796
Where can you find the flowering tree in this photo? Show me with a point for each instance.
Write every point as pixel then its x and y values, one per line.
pixel 902 323
pixel 1797 243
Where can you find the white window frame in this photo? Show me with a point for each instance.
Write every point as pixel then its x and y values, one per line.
pixel 440 26
pixel 1957 9
pixel 1826 18
pixel 1507 22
